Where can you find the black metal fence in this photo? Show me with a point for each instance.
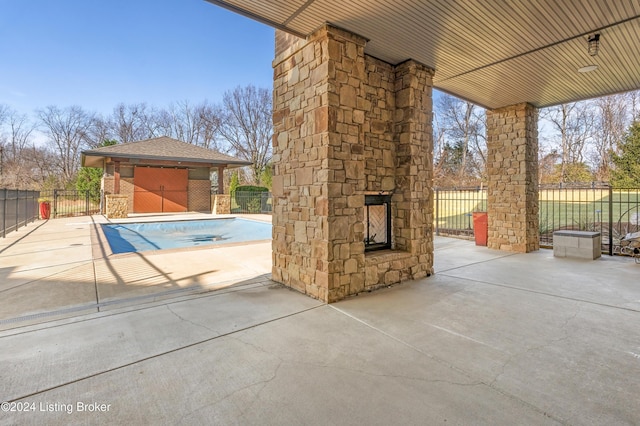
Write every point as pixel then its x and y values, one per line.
pixel 454 209
pixel 17 209
pixel 68 203
pixel 246 202
pixel 596 207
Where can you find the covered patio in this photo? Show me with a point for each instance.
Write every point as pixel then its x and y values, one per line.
pixel 492 338
pixel 353 109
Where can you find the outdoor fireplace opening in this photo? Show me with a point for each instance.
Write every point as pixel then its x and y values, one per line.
pixel 377 221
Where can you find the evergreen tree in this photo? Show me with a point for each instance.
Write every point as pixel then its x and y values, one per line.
pixel 626 172
pixel 90 178
pixel 266 177
pixel 235 182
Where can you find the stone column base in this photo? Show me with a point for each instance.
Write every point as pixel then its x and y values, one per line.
pixel 221 204
pixel 117 206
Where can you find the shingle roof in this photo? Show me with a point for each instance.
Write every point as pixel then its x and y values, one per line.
pixel 163 148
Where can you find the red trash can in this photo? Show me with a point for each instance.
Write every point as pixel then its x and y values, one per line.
pixel 480 228
pixel 45 210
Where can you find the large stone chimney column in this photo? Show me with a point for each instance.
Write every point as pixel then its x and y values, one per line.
pixel 345 125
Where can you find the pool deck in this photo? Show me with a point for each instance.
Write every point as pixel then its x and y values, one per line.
pixel 493 338
pixel 62 268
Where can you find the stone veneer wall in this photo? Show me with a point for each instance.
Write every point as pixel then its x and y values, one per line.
pixel 379 143
pixel 512 166
pixel 346 124
pixel 116 206
pixel 221 204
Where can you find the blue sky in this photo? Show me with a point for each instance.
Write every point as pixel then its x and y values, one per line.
pixel 96 54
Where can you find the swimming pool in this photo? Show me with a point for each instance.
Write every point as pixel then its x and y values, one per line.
pixel 135 237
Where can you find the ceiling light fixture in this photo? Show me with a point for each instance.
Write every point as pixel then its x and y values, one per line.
pixel 588 68
pixel 594 44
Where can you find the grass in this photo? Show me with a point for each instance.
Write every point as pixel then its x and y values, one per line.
pixel 71 207
pixel 586 209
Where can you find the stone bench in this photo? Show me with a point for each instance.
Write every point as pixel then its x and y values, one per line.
pixel 578 244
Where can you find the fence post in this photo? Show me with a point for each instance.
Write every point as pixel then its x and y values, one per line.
pixel 55 203
pixel 437 213
pixel 610 220
pixel 86 202
pixel 37 206
pixel 4 214
pixel 17 209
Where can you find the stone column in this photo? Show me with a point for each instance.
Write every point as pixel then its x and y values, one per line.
pixel 512 166
pixel 221 204
pixel 413 196
pixel 319 182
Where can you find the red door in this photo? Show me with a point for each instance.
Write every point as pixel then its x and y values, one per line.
pixel 160 190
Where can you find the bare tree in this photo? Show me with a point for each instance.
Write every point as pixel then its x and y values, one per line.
pixel 15 137
pixel 611 121
pixel 210 122
pixel 133 122
pixel 40 162
pixel 100 132
pixel 246 124
pixel 194 124
pixel 185 122
pixel 633 101
pixel 4 112
pixel 69 131
pixel 573 129
pixel 461 155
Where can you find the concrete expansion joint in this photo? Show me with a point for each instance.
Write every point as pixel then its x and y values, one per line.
pixel 525 403
pixel 405 343
pixel 552 295
pixel 474 381
pixel 442 272
pixel 394 376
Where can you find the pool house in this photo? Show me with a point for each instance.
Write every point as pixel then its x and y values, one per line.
pixel 159 175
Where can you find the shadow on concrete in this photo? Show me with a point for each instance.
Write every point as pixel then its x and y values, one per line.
pixel 46 285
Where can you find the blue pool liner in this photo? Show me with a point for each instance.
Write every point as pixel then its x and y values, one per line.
pixel 136 237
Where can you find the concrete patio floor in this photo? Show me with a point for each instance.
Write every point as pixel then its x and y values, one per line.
pixel 491 338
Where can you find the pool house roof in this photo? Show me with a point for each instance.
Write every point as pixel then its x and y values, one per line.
pixel 161 149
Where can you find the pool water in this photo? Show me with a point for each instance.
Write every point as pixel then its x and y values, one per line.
pixel 135 237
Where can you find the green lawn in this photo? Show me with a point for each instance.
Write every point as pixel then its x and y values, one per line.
pixel 558 209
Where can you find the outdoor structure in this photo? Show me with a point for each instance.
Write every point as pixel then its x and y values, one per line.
pixel 159 175
pixel 352 118
pixel 348 125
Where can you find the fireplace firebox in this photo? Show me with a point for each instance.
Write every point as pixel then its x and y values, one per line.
pixel 377 221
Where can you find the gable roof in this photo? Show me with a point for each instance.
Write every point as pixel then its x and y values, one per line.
pixel 161 148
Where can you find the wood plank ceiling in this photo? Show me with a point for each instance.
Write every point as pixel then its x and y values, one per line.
pixel 492 52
